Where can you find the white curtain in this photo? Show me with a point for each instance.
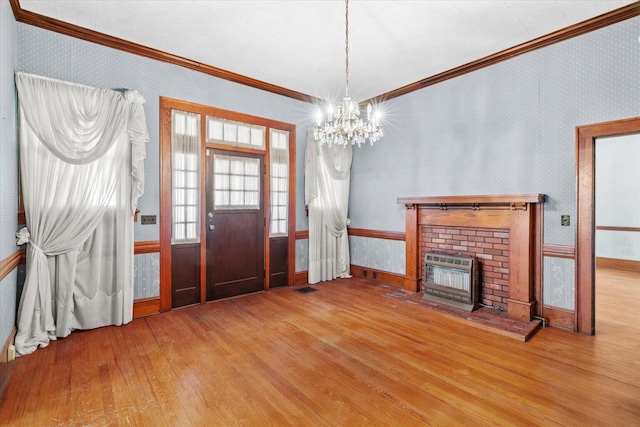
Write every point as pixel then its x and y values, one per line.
pixel 327 179
pixel 81 162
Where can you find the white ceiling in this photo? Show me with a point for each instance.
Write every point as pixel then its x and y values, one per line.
pixel 299 45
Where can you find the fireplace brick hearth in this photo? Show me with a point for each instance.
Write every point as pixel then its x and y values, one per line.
pixel 504 232
pixel 490 247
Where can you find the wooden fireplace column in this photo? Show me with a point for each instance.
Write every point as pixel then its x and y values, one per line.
pixel 520 214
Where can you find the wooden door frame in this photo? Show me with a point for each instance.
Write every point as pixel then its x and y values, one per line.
pixel 166 105
pixel 585 206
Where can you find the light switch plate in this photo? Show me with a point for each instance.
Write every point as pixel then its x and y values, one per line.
pixel 147 219
pixel 565 220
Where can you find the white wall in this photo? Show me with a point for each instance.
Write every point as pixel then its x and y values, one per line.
pixel 618 196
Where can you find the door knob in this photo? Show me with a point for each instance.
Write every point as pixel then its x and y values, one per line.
pixel 211 227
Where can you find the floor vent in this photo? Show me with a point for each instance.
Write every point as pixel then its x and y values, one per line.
pixel 306 290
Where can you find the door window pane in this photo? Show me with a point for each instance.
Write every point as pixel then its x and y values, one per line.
pixel 236 182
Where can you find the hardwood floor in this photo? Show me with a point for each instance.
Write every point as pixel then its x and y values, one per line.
pixel 344 355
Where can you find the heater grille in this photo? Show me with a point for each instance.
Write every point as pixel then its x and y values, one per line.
pixel 451 280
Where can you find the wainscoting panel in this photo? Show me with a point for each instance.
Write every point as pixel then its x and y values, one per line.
pixel 302 255
pixel 559 283
pixel 379 254
pixel 146 275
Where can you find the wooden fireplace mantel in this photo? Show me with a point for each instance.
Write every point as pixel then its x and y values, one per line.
pixel 520 214
pixel 487 201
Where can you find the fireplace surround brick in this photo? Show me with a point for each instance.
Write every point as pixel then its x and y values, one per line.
pixel 491 247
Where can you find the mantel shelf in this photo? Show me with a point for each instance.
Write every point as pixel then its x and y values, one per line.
pixel 478 199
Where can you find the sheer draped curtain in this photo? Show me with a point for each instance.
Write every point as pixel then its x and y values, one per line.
pixel 82 153
pixel 327 180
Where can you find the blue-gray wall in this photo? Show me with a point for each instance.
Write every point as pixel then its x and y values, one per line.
pixel 508 128
pixel 57 56
pixel 8 168
pixel 505 129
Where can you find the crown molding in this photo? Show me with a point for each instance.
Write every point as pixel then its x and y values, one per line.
pixel 58 26
pixel 601 21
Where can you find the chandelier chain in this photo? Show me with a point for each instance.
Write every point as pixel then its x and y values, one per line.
pixel 343 125
pixel 346 44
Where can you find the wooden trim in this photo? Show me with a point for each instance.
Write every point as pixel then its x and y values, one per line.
pixel 165 205
pixel 473 200
pixel 575 30
pixel 166 105
pixel 302 234
pixel 522 215
pixel 377 234
pixel 10 263
pixel 52 24
pixel 377 275
pixel 618 264
pixel 301 278
pixel 560 318
pixel 538 264
pixel 146 247
pixel 412 278
pixel 5 347
pixel 611 228
pixel 522 262
pixel 22 217
pixel 484 218
pixel 291 230
pixel 585 205
pixel 146 307
pixel 559 251
pixel 266 203
pixel 237 149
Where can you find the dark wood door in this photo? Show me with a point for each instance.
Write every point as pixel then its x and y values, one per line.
pixel 235 223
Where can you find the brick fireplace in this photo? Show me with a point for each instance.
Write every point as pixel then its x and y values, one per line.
pixel 504 232
pixel 490 247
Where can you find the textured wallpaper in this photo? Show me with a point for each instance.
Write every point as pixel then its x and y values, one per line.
pixel 57 56
pixel 8 134
pixel 380 254
pixel 509 128
pixel 8 168
pixel 505 129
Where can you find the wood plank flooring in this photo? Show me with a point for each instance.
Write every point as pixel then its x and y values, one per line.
pixel 345 355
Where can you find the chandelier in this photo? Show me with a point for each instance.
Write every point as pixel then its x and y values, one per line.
pixel 343 123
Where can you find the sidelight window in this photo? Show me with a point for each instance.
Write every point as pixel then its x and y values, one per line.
pixel 279 155
pixel 185 162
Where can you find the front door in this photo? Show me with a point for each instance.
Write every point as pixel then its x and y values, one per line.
pixel 235 223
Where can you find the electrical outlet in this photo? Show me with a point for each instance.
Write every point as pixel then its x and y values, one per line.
pixel 565 220
pixel 147 219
